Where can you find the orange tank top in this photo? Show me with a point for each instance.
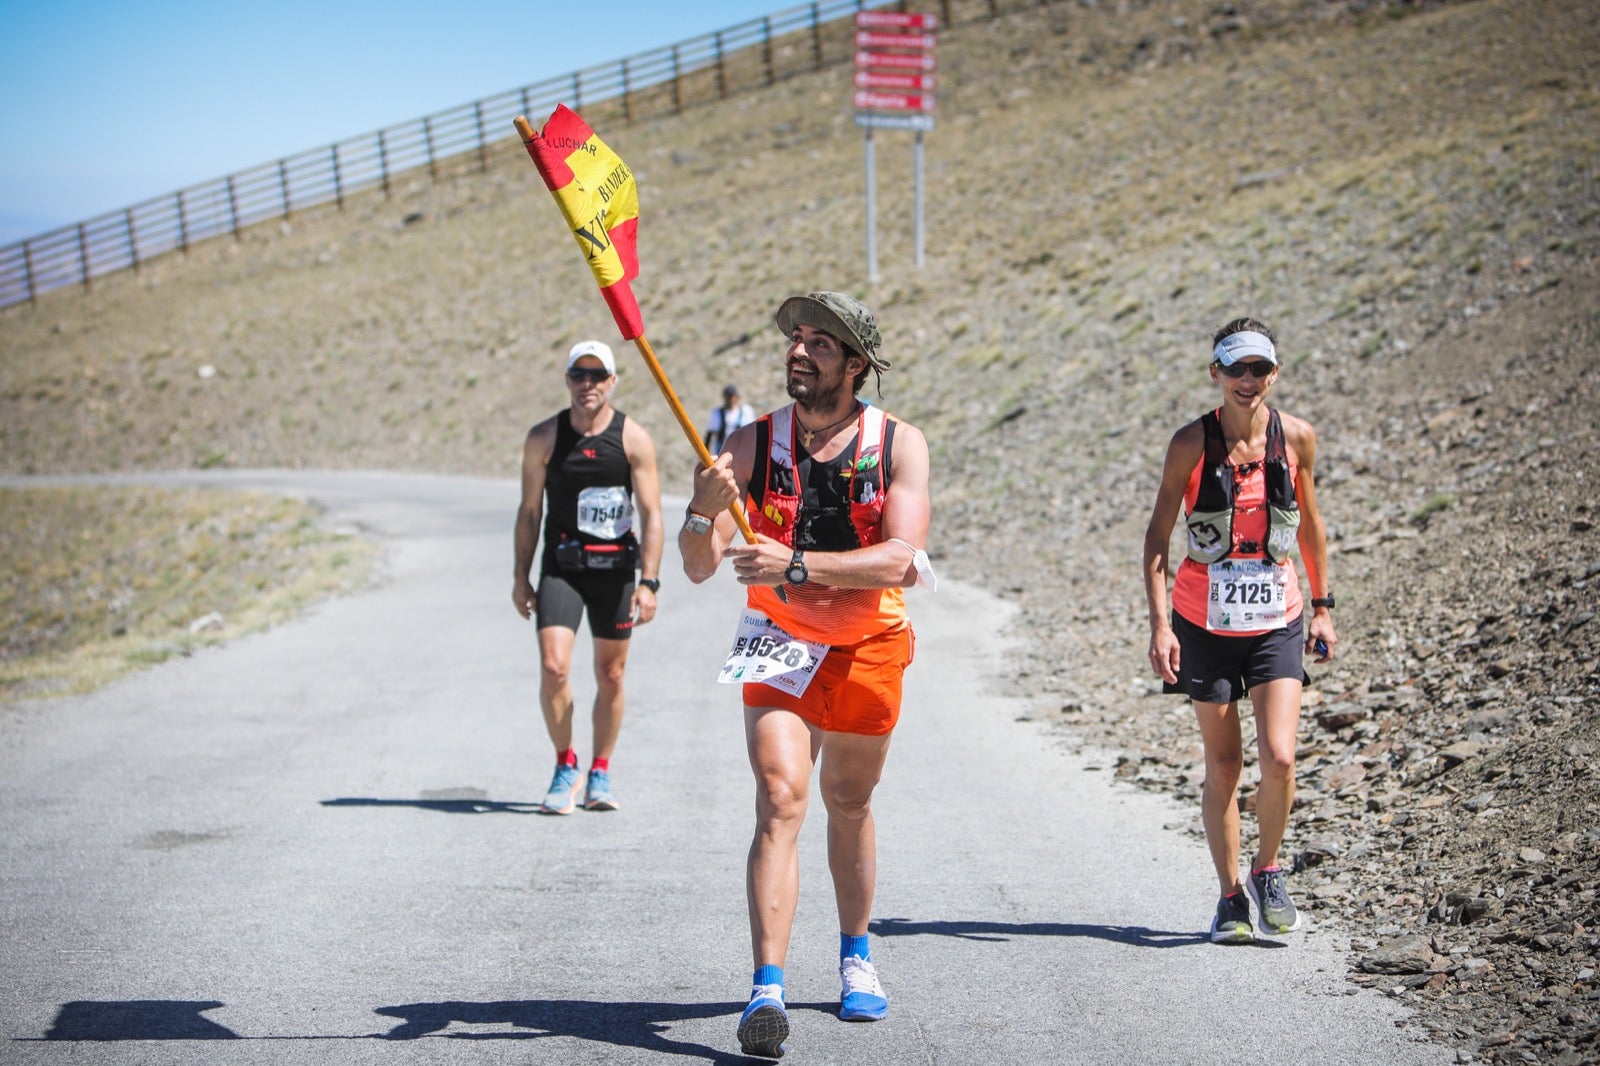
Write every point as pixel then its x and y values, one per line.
pixel 1192 586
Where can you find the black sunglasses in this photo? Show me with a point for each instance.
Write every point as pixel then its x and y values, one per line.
pixel 593 375
pixel 1258 369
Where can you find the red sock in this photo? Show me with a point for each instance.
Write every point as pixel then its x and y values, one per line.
pixel 601 764
pixel 567 758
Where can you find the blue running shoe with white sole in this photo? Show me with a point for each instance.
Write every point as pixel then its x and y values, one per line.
pixel 562 798
pixel 597 796
pixel 861 997
pixel 765 1024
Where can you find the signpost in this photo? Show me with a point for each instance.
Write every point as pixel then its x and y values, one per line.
pixel 895 91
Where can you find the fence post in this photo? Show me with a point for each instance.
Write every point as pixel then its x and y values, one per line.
pixel 338 184
pixel 816 37
pixel 27 268
pixel 183 225
pixel 627 98
pixel 233 208
pixel 577 91
pixel 944 14
pixel 133 239
pixel 766 46
pixel 283 185
pixel 483 149
pixel 383 164
pixel 427 136
pixel 722 74
pixel 524 110
pixel 677 88
pixel 83 255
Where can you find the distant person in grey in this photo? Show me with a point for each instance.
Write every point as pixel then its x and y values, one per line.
pixel 1244 475
pixel 725 419
pixel 586 472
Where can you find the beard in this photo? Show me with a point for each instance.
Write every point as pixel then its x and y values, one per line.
pixel 814 394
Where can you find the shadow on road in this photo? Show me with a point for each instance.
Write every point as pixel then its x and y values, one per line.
pixel 625 1024
pixel 138 1019
pixel 1133 935
pixel 639 1025
pixel 443 806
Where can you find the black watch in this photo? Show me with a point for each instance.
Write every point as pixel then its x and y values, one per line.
pixel 651 583
pixel 1323 601
pixel 797 574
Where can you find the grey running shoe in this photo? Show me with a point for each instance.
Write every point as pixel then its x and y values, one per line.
pixel 1232 922
pixel 1275 911
pixel 765 1024
pixel 562 798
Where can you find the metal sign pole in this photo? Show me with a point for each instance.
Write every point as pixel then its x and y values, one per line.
pixel 919 198
pixel 872 225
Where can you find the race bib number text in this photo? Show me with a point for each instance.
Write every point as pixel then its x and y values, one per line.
pixel 1246 596
pixel 763 653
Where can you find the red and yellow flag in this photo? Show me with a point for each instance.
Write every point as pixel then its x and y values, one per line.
pixel 596 193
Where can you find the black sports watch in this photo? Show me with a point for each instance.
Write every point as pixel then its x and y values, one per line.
pixel 1323 601
pixel 651 583
pixel 797 574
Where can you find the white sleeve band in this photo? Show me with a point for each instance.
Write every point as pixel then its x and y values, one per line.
pixel 919 559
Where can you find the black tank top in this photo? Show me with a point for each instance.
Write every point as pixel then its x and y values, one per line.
pixel 581 469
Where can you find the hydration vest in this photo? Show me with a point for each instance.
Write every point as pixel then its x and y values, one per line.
pixel 774 492
pixel 1210 522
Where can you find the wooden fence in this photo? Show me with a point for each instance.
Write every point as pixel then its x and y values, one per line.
pixel 665 81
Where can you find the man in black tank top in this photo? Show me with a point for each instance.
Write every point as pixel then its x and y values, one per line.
pixel 586 472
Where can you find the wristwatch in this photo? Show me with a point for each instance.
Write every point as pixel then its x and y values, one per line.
pixel 651 583
pixel 797 574
pixel 698 524
pixel 1323 601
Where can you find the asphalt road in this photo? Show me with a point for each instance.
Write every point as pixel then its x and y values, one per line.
pixel 319 845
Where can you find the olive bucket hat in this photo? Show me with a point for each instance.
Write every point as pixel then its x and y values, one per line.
pixel 845 317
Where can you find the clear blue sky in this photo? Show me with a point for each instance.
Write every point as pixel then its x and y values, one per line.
pixel 110 102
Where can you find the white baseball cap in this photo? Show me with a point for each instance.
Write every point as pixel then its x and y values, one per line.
pixel 600 351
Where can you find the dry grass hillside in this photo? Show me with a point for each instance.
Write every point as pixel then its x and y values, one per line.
pixel 1408 195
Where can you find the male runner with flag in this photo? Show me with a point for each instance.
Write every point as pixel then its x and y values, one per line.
pixel 837 493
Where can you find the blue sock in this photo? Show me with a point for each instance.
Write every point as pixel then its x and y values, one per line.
pixel 854 945
pixel 768 975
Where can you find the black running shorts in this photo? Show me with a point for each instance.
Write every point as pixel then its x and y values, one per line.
pixel 608 595
pixel 1214 668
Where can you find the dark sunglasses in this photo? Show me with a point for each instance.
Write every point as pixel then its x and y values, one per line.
pixel 1259 369
pixel 593 375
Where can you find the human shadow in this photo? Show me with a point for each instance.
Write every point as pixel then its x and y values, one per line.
pixel 1133 935
pixel 138 1019
pixel 626 1024
pixel 442 806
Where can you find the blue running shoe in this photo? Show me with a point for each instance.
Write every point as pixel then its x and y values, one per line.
pixel 563 795
pixel 861 997
pixel 765 1024
pixel 598 796
pixel 1275 912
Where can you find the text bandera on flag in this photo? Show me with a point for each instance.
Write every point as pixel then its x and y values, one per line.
pixel 596 193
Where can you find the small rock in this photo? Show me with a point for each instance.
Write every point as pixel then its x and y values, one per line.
pixel 1406 955
pixel 210 620
pixel 1460 752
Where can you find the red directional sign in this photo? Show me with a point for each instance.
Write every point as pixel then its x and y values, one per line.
pixel 896 60
pixel 896 20
pixel 868 39
pixel 866 79
pixel 867 100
